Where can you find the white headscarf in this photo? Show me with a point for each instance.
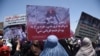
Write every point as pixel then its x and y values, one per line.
pixel 8 44
pixel 86 48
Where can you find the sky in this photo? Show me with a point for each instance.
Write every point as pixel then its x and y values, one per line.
pixel 15 7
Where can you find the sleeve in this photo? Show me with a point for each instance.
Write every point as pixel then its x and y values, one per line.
pixel 17 53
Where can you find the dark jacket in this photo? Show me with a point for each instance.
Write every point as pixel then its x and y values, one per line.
pixel 19 53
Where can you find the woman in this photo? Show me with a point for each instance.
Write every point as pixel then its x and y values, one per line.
pixel 4 50
pixel 86 48
pixel 27 49
pixel 53 48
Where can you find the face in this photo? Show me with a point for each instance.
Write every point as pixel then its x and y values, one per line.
pixel 5 51
pixel 50 11
pixel 13 31
pixel 35 41
pixel 35 50
pixel 1 42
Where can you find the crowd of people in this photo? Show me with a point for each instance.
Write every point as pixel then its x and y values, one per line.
pixel 52 46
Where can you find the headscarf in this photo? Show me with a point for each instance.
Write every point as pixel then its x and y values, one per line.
pixel 53 48
pixel 86 48
pixel 4 51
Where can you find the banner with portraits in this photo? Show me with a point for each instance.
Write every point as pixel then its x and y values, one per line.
pixel 47 20
pixel 15 27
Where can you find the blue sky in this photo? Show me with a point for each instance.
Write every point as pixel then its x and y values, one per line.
pixel 14 7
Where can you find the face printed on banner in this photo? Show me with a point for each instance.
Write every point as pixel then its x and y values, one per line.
pixel 45 20
pixel 14 32
pixel 51 17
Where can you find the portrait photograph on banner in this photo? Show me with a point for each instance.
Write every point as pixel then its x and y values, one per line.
pixel 47 20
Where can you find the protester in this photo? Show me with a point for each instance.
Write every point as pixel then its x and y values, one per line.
pixel 27 49
pixel 53 48
pixel 36 47
pixel 76 46
pixel 86 48
pixel 7 43
pixel 18 51
pixel 4 50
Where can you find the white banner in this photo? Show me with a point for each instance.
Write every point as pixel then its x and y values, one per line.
pixel 14 20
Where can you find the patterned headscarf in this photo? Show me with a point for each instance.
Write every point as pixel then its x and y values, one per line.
pixel 86 48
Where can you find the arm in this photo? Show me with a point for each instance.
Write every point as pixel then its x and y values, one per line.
pixel 18 51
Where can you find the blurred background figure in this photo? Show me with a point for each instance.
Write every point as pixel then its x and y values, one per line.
pixel 53 48
pixel 86 48
pixel 4 49
pixel 36 47
pixel 1 41
pixel 27 48
pixel 8 44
